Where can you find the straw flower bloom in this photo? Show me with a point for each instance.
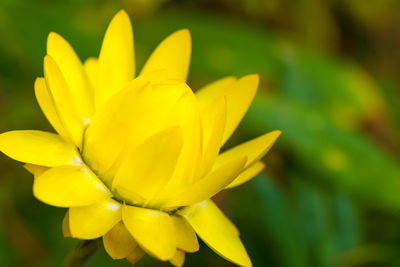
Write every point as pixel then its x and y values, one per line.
pixel 136 159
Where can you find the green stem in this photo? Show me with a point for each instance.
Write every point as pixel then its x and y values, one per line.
pixel 82 253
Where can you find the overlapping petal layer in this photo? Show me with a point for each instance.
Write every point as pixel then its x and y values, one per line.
pixel 39 148
pixel 209 185
pixel 93 221
pixel 216 231
pixel 152 229
pixel 172 55
pixel 146 169
pixel 137 159
pixel 178 259
pixel 247 174
pixel 48 107
pixel 254 150
pixel 116 66
pixel 135 255
pixel 118 242
pixel 186 239
pixel 75 76
pixel 239 95
pixel 64 102
pixel 69 186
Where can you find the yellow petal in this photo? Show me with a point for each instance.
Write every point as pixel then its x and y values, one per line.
pixel 91 66
pixel 187 116
pixel 173 55
pixel 36 170
pixel 239 96
pixel 93 221
pixel 72 69
pixel 186 239
pixel 122 118
pixel 39 148
pixel 164 109
pixel 254 149
pixel 65 225
pixel 214 91
pixel 216 231
pixel 239 99
pixel 152 229
pixel 178 259
pixel 247 174
pixel 136 255
pixel 63 100
pixel 213 122
pixel 116 60
pixel 69 186
pixel 111 124
pixel 118 242
pixel 209 185
pixel 146 169
pixel 47 105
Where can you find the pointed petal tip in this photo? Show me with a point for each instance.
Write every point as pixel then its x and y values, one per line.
pixel 120 16
pixel 121 12
pixel 53 41
pixel 254 78
pixel 270 138
pixel 275 133
pixel 183 35
pixel 184 32
pixel 52 36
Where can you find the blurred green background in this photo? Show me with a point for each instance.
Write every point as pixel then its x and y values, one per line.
pixel 330 195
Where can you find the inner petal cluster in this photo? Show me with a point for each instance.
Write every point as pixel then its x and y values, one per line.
pixel 145 143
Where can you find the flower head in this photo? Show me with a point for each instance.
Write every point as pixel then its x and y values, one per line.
pixel 136 159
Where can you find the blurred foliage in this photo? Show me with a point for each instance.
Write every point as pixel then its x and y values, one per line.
pixel 329 80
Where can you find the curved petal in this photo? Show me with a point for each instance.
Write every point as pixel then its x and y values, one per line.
pixel 247 174
pixel 118 242
pixel 146 169
pixel 93 221
pixel 209 185
pixel 254 149
pixel 72 69
pixel 48 108
pixel 64 102
pixel 136 255
pixel 36 170
pixel 69 186
pixel 116 60
pixel 65 225
pixel 187 116
pixel 39 148
pixel 186 239
pixel 178 259
pixel 214 91
pixel 239 95
pixel 111 124
pixel 239 99
pixel 173 55
pixel 152 229
pixel 216 231
pixel 121 118
pixel 91 66
pixel 213 122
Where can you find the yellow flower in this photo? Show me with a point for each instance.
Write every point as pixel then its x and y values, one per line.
pixel 136 161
